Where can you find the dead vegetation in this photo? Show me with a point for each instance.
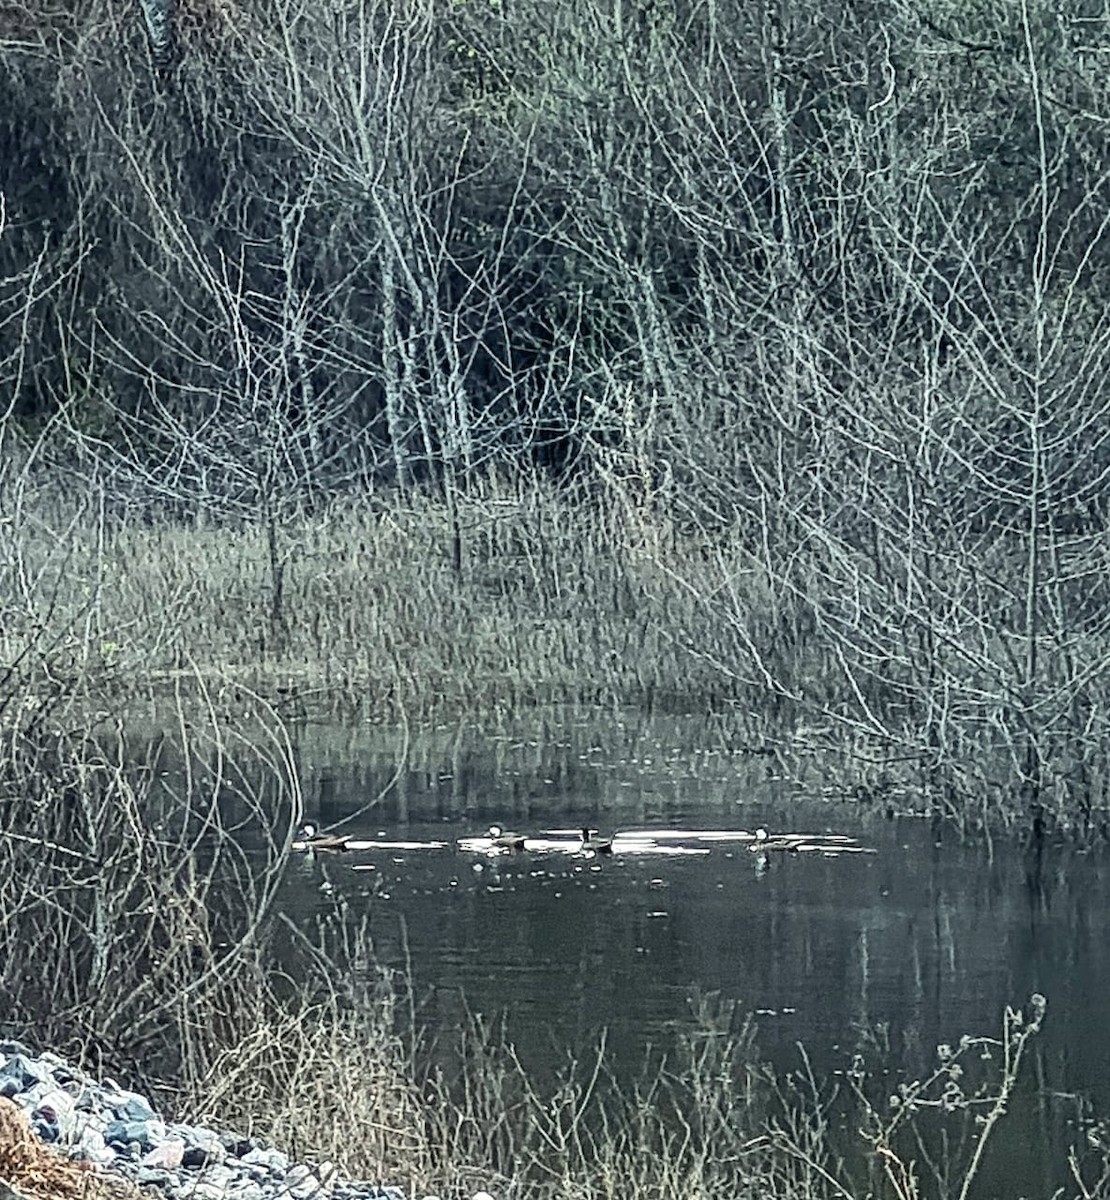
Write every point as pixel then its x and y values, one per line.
pixel 35 1171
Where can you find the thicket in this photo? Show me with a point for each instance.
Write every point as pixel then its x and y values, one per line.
pixel 790 322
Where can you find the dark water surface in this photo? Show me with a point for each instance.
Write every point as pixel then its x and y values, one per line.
pixel 923 941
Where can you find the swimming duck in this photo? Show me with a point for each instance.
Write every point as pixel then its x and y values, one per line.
pixel 764 842
pixel 313 839
pixel 505 841
pixel 591 841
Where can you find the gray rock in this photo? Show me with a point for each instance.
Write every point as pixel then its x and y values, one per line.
pixel 57 1108
pixel 145 1134
pixel 91 1146
pixel 202 1146
pixel 105 1124
pixel 237 1146
pixel 204 1189
pixel 48 1131
pixel 130 1107
pixel 248 1191
pixel 25 1071
pixel 199 1189
pixel 156 1176
pixel 219 1176
pixel 272 1161
pixel 31 1093
pixel 199 1156
pixel 362 1190
pixel 301 1183
pixel 90 1122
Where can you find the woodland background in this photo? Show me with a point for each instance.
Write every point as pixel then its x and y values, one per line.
pixel 727 355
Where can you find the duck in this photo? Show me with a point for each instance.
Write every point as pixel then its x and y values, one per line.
pixel 592 841
pixel 313 839
pixel 765 842
pixel 504 840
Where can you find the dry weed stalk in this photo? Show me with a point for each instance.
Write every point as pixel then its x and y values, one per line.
pixel 959 1093
pixel 128 896
pixel 39 1172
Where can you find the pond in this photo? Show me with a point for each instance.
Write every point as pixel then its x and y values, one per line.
pixel 890 953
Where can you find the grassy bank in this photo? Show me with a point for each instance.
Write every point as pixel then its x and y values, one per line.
pixel 361 605
pixel 400 606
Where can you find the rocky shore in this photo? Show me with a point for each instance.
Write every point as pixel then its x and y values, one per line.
pixel 119 1132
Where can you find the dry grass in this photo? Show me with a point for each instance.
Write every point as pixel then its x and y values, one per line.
pixel 333 1082
pixel 38 1172
pixel 555 600
pixel 321 1074
pixel 355 609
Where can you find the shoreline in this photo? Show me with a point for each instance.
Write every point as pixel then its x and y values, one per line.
pixel 103 1127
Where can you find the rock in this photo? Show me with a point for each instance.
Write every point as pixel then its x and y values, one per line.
pixel 87 1139
pixel 202 1189
pixel 202 1147
pixel 25 1072
pixel 154 1176
pixel 134 1108
pixel 301 1183
pixel 199 1189
pixel 58 1066
pixel 48 1131
pixel 168 1155
pixel 220 1176
pixel 145 1134
pixel 238 1146
pixel 91 1147
pixel 249 1191
pixel 88 1100
pixel 106 1125
pixel 57 1109
pixel 272 1161
pixel 86 1121
pixel 219 1183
